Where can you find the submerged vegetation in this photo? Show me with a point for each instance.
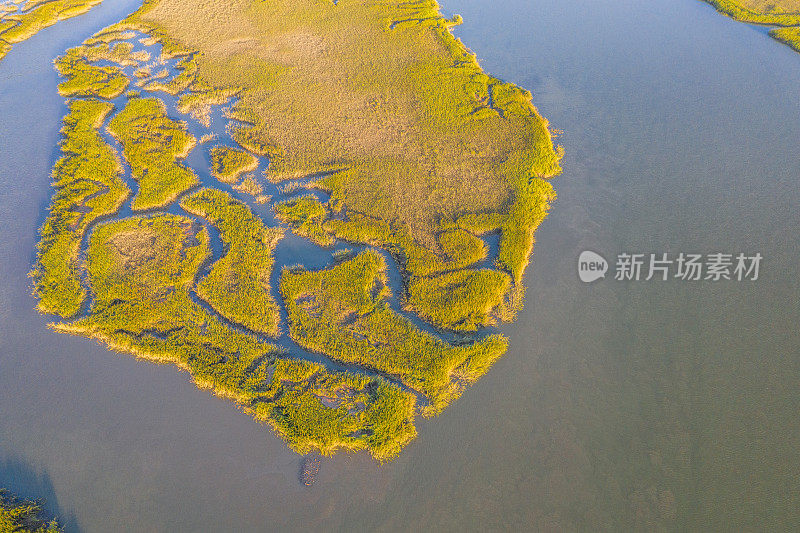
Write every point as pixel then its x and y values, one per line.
pixel 783 13
pixel 377 127
pixel 21 19
pixel 22 516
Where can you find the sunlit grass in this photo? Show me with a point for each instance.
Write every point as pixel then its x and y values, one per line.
pixel 227 163
pixel 141 270
pixel 85 79
pixel 774 12
pixel 152 144
pixel 462 300
pixel 342 312
pixel 751 12
pixel 88 185
pixel 306 215
pixel 381 92
pixel 22 516
pixel 238 286
pixel 322 411
pixel 35 16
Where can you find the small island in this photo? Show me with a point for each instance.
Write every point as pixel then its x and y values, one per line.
pixel 337 258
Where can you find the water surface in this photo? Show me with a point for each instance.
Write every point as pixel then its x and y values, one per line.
pixel 619 405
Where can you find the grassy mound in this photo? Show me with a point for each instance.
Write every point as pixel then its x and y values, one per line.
pixel 17 516
pixel 227 163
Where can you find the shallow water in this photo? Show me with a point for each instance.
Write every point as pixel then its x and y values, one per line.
pixel 620 404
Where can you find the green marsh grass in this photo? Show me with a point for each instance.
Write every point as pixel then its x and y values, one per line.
pixel 462 300
pixel 85 79
pixel 228 164
pixel 238 286
pixel 141 271
pixel 306 216
pixel 322 411
pixel 88 184
pixel 152 143
pixel 784 13
pixel 384 94
pixel 342 312
pixel 22 516
pixel 35 16
pixel 774 12
pixel 421 152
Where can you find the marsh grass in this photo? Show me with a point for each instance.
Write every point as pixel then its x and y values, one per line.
pixel 317 410
pixel 85 79
pixel 251 186
pixel 141 272
pixel 383 93
pixel 22 24
pixel 421 153
pixel 306 216
pixel 152 143
pixel 789 36
pixel 22 516
pixel 784 13
pixel 187 74
pixel 774 12
pixel 238 286
pixel 342 312
pixel 88 184
pixel 228 164
pixel 460 301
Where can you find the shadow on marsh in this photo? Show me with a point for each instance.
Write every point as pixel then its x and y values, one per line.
pixel 24 481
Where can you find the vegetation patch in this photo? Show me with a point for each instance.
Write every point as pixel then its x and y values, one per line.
pixel 306 216
pixel 21 24
pixel 152 143
pixel 238 286
pixel 141 271
pixel 227 163
pixel 418 132
pixel 88 186
pixel 188 72
pixel 462 300
pixel 315 410
pixel 415 258
pixel 22 516
pixel 342 312
pixel 85 79
pixel 380 106
pixel 772 12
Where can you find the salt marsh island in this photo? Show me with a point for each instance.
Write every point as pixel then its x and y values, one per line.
pixel 320 210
